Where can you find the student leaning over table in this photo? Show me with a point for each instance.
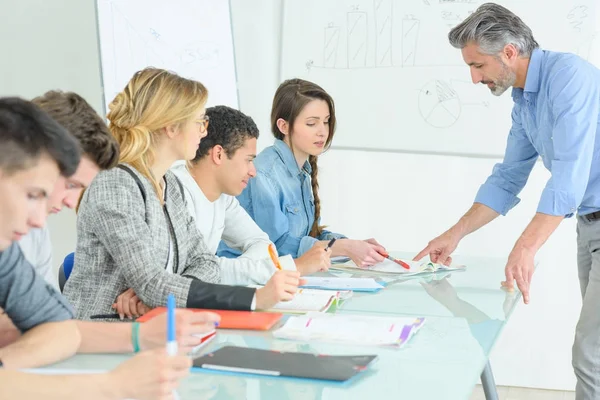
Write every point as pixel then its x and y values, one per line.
pixel 221 169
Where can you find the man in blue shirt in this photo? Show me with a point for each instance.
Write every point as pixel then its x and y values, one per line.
pixel 555 117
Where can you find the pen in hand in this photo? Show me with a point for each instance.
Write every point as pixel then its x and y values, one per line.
pixel 172 347
pixel 330 244
pixel 274 257
pixel 397 261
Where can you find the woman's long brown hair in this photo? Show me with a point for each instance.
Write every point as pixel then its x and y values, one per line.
pixel 291 97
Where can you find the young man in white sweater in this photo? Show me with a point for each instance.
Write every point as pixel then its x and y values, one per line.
pixel 219 172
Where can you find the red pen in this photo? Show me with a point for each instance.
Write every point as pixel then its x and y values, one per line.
pixel 397 261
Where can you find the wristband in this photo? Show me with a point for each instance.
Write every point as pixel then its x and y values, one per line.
pixel 135 336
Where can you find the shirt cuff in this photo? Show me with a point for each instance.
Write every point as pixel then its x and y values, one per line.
pixel 253 305
pixel 496 198
pixel 326 235
pixel 305 244
pixel 287 263
pixel 558 203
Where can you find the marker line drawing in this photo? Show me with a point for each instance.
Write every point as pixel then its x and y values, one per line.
pixel 383 32
pixel 357 38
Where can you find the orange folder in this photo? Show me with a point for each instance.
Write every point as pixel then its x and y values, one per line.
pixel 258 321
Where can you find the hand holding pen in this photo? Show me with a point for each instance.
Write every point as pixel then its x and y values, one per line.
pixel 282 286
pixel 316 259
pixel 401 263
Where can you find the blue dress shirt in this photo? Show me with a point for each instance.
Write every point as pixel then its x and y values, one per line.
pixel 555 117
pixel 281 202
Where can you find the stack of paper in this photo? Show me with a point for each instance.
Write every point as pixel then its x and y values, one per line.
pixel 351 329
pixel 334 283
pixel 307 300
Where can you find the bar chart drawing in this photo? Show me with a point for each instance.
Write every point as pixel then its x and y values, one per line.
pixel 393 60
pixel 330 49
pixel 383 31
pixel 410 37
pixel 357 37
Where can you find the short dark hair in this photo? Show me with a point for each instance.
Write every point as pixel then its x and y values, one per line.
pixel 79 118
pixel 228 128
pixel 27 133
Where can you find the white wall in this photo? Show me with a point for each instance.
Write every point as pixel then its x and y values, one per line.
pixel 51 45
pixel 402 199
pixel 256 37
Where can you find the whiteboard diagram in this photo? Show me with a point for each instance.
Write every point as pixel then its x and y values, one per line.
pixel 176 35
pixel 397 82
pixel 439 104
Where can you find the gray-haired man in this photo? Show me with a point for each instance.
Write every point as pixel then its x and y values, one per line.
pixel 556 117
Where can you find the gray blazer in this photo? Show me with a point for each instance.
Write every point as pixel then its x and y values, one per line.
pixel 123 242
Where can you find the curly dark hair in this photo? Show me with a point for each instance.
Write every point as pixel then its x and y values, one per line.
pixel 228 128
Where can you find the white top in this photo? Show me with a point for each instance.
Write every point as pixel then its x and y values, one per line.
pixel 225 219
pixel 37 249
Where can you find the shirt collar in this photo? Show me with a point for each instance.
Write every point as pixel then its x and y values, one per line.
pixel 532 81
pixel 288 158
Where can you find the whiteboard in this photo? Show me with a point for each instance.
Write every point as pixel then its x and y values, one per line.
pixel 190 37
pixel 397 82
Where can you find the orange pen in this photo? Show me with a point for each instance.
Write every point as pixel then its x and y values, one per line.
pixel 399 262
pixel 274 257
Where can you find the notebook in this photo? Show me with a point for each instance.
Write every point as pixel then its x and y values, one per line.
pixel 336 283
pixel 307 300
pixel 245 360
pixel 391 268
pixel 259 321
pixel 351 329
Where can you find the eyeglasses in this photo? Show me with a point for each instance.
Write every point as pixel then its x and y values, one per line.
pixel 203 123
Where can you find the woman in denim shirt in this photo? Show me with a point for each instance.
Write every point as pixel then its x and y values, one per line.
pixel 283 198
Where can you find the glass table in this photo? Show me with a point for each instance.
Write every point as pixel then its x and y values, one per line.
pixel 465 313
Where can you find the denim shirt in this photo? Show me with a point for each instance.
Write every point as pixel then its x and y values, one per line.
pixel 281 202
pixel 556 117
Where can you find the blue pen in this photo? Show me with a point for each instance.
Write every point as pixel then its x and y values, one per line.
pixel 171 340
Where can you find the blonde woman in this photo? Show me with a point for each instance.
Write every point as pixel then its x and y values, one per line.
pixel 134 233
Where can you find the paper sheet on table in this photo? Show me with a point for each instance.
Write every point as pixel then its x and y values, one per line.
pixel 335 283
